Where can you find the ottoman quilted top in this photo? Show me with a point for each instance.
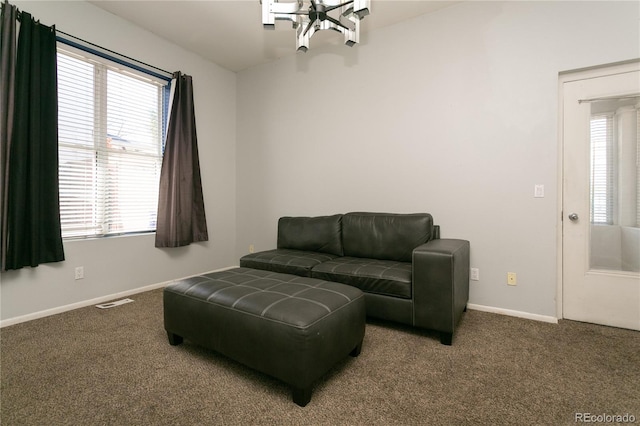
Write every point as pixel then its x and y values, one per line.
pixel 290 299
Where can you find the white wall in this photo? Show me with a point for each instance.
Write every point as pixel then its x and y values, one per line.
pixel 122 264
pixel 453 113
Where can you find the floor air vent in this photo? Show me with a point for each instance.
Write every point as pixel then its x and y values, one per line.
pixel 114 304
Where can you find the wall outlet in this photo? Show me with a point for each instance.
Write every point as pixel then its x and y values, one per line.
pixel 475 274
pixel 252 249
pixel 512 278
pixel 79 272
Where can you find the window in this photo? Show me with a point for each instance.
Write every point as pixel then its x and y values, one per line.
pixel 110 125
pixel 602 169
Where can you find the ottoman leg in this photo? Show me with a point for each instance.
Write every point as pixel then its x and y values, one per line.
pixel 356 351
pixel 174 339
pixel 446 338
pixel 302 396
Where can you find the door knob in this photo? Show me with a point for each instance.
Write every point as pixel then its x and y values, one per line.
pixel 573 217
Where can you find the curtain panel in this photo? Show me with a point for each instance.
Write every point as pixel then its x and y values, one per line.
pixel 8 36
pixel 181 215
pixel 33 209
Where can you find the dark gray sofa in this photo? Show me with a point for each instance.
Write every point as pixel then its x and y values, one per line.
pixel 408 274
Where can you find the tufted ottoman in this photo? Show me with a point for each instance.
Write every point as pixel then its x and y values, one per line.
pixel 289 327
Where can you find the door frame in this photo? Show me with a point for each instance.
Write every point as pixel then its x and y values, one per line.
pixel 566 77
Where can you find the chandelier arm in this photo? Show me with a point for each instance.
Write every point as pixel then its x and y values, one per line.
pixel 330 8
pixel 336 22
pixel 299 12
pixel 313 3
pixel 306 30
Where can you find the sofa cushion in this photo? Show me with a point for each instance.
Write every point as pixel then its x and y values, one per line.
pixel 295 262
pixel 385 277
pixel 385 236
pixel 320 234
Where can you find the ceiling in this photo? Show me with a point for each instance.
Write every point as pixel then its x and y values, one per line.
pixel 230 33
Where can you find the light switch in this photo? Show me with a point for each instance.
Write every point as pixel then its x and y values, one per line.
pixel 538 191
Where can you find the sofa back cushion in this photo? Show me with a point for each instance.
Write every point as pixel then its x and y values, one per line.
pixel 320 234
pixel 384 235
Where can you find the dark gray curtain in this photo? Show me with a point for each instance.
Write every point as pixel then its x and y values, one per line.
pixel 33 222
pixel 181 218
pixel 7 80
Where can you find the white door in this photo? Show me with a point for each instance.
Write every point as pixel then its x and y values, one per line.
pixel 601 186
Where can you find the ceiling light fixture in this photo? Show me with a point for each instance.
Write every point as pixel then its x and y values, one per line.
pixel 311 16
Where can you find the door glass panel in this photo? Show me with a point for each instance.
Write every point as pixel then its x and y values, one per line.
pixel 615 185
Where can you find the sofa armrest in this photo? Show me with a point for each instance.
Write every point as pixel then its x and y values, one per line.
pixel 440 285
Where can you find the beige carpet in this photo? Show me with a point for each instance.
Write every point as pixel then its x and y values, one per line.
pixel 115 367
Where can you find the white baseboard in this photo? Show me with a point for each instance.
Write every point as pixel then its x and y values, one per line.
pixel 96 301
pixel 102 299
pixel 511 313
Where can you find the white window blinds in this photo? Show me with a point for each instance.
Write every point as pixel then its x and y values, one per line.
pixel 110 147
pixel 602 169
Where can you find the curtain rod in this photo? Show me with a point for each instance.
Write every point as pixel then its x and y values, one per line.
pixel 77 41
